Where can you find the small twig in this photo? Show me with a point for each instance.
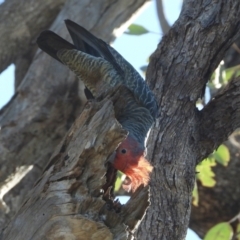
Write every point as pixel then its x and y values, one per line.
pixel 235 47
pixel 237 217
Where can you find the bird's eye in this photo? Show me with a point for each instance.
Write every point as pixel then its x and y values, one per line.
pixel 123 151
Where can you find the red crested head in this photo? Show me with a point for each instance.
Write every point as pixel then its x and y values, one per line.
pixel 130 160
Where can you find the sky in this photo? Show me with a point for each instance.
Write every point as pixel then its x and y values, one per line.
pixel 136 49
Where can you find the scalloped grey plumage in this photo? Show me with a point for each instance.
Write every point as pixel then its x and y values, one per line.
pixel 101 67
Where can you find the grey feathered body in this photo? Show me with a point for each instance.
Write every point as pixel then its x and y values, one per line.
pixel 101 67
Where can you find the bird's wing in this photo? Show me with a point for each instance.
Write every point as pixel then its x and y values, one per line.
pixel 94 60
pixel 97 73
pixel 87 42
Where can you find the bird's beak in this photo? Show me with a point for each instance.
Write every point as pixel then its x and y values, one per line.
pixel 111 158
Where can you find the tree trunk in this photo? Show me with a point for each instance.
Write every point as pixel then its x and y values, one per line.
pixel 178 72
pixel 20 23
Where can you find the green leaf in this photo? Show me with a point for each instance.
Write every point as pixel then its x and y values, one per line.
pixel 226 75
pixel 195 196
pixel 222 155
pixel 238 232
pixel 135 29
pixel 229 72
pixel 221 231
pixel 205 173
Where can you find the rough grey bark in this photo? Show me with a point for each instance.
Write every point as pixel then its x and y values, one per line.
pixel 47 102
pixel 20 23
pixel 213 207
pixel 221 116
pixel 22 65
pixel 71 204
pixel 178 72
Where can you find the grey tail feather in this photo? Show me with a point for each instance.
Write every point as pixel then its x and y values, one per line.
pixel 51 43
pixel 88 43
pixel 83 41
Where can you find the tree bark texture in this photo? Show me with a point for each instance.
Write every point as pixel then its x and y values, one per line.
pixel 48 101
pixel 20 23
pixel 66 202
pixel 178 72
pixel 221 202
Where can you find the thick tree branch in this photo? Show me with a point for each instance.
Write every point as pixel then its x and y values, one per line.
pixel 47 101
pixel 22 65
pixel 20 23
pixel 219 118
pixel 71 202
pixel 178 72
